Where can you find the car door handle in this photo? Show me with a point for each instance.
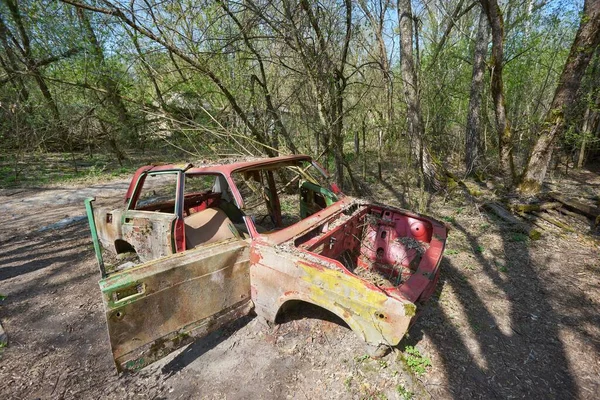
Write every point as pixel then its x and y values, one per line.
pixel 128 293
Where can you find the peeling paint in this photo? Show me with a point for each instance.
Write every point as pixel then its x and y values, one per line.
pixel 163 303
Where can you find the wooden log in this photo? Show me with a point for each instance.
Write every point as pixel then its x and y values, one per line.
pixel 517 224
pixel 553 221
pixel 580 217
pixel 576 206
pixel 535 221
pixel 3 337
pixel 535 206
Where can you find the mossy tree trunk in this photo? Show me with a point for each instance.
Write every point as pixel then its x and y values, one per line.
pixel 582 50
pixel 503 129
pixel 431 170
pixel 473 132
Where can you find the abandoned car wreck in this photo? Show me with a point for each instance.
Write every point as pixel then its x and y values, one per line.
pixel 215 242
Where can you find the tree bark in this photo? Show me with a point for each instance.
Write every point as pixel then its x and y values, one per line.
pixel 325 72
pixel 586 41
pixel 32 66
pixel 431 171
pixel 263 83
pixel 473 133
pixel 590 116
pixel 11 65
pixel 198 65
pixel 496 21
pixel 456 15
pixel 377 22
pixel 104 77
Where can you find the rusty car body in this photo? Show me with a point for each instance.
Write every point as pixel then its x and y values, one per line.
pixel 218 241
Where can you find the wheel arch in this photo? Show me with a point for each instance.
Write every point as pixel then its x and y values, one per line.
pixel 344 315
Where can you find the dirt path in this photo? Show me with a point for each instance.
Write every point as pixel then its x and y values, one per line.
pixel 511 319
pixel 31 209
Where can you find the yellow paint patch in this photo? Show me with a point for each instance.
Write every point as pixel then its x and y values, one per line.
pixel 327 280
pixel 410 309
pixel 373 315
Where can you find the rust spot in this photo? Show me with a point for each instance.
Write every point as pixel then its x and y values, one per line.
pixel 255 256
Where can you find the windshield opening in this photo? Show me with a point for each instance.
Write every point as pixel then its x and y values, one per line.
pixel 278 196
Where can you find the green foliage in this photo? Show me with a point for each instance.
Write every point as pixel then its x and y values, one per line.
pixel 348 382
pixel 111 89
pixel 415 361
pixel 404 393
pixel 361 359
pixel 518 237
pixel 501 267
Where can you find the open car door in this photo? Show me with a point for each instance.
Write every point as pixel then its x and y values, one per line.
pixel 314 198
pixel 156 307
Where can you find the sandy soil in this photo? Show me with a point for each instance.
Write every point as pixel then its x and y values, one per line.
pixel 512 318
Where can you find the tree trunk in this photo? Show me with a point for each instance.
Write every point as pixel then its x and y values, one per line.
pixel 198 65
pixel 590 117
pixel 11 66
pixel 263 83
pixel 473 133
pixel 377 22
pixel 364 153
pixel 459 11
pixel 430 170
pixel 33 67
pixel 587 122
pixel 107 82
pixel 582 49
pixel 496 21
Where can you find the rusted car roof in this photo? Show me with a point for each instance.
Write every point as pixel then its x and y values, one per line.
pixel 226 169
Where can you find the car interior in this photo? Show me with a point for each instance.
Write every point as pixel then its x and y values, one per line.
pixel 274 197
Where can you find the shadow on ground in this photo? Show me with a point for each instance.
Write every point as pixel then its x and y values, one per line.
pixel 202 345
pixel 511 341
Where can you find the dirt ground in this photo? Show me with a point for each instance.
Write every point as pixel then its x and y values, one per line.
pixel 512 318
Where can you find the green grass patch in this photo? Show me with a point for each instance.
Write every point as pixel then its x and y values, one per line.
pixel 449 219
